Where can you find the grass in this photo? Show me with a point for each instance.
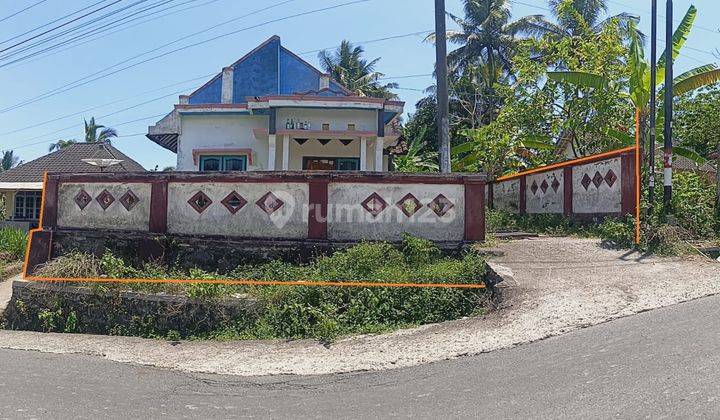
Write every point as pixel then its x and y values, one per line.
pixel 306 312
pixel 12 244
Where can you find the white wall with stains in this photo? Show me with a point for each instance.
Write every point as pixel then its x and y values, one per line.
pixel 544 193
pixel 506 196
pixel 116 216
pixel 349 220
pixel 597 187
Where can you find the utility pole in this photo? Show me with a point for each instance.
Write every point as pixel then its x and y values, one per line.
pixel 668 152
pixel 442 87
pixel 653 102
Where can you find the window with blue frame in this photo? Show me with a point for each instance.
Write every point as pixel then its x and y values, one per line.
pixel 223 163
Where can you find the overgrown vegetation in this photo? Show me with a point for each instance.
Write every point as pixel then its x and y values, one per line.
pixel 12 244
pixel 305 311
pixel 695 222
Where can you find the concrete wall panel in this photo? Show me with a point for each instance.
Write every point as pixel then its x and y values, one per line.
pixel 544 193
pixel 93 216
pixel 348 220
pixel 506 196
pixel 288 222
pixel 597 187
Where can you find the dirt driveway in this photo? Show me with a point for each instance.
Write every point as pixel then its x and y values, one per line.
pixel 561 284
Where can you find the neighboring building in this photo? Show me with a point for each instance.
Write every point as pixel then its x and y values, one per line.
pixel 271 110
pixel 22 186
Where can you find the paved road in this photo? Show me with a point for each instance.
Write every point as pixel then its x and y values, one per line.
pixel 662 363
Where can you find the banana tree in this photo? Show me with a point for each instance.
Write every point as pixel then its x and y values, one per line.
pixel 639 82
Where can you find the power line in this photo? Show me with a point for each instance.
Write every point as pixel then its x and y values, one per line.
pixel 22 10
pixel 89 79
pixel 51 22
pixel 123 27
pixel 61 25
pixel 108 104
pixel 99 28
pixel 369 41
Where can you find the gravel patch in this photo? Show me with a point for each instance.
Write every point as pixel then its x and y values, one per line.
pixel 561 284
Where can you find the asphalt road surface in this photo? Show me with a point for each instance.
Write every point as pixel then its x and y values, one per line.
pixel 662 363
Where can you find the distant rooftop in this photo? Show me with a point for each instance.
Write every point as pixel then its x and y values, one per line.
pixel 69 160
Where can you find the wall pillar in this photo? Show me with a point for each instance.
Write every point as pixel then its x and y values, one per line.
pixel 286 152
pixel 627 179
pixel 379 144
pixel 474 210
pixel 50 204
pixel 227 85
pixel 568 191
pixel 158 206
pixel 523 196
pixel 318 208
pixel 363 153
pixel 272 140
pixel 10 204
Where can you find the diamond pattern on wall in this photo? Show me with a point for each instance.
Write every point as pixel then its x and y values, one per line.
pixel 586 181
pixel 269 203
pixel 129 200
pixel 105 199
pixel 555 185
pixel 598 179
pixel 234 202
pixel 324 142
pixel 534 188
pixel 409 205
pixel 544 186
pixel 610 178
pixel 82 199
pixel 441 205
pixel 200 201
pixel 374 204
pixel 346 142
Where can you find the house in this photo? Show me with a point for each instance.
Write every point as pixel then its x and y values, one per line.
pixel 21 187
pixel 271 110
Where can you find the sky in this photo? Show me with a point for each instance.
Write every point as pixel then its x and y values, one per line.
pixel 134 97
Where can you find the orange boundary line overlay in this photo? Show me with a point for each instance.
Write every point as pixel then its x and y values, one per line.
pixel 567 163
pixel 296 283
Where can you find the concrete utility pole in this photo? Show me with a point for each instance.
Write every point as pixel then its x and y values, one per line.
pixel 667 155
pixel 442 87
pixel 653 101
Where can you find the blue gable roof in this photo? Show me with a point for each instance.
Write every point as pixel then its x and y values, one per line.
pixel 269 69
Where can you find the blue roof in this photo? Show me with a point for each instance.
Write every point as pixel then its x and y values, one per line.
pixel 270 69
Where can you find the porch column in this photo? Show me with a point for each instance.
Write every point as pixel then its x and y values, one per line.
pixel 286 152
pixel 379 143
pixel 10 205
pixel 363 153
pixel 271 152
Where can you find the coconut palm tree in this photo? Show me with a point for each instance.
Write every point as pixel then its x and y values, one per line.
pixel 95 133
pixel 486 37
pixel 347 66
pixel 9 160
pixel 60 144
pixel 574 18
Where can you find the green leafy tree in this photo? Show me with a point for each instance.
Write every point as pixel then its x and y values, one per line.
pixel 417 158
pixel 60 144
pixel 347 66
pixel 9 160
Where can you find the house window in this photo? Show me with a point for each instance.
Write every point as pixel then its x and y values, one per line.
pixel 27 205
pixel 223 163
pixel 331 164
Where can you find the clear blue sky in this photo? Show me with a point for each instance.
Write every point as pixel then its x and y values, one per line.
pixel 374 19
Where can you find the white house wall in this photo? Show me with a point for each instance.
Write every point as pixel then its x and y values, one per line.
pixel 221 132
pixel 364 120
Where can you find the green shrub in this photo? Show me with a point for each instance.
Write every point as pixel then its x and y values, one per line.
pixel 12 243
pixel 310 312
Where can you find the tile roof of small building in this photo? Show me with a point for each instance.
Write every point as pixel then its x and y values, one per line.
pixel 69 160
